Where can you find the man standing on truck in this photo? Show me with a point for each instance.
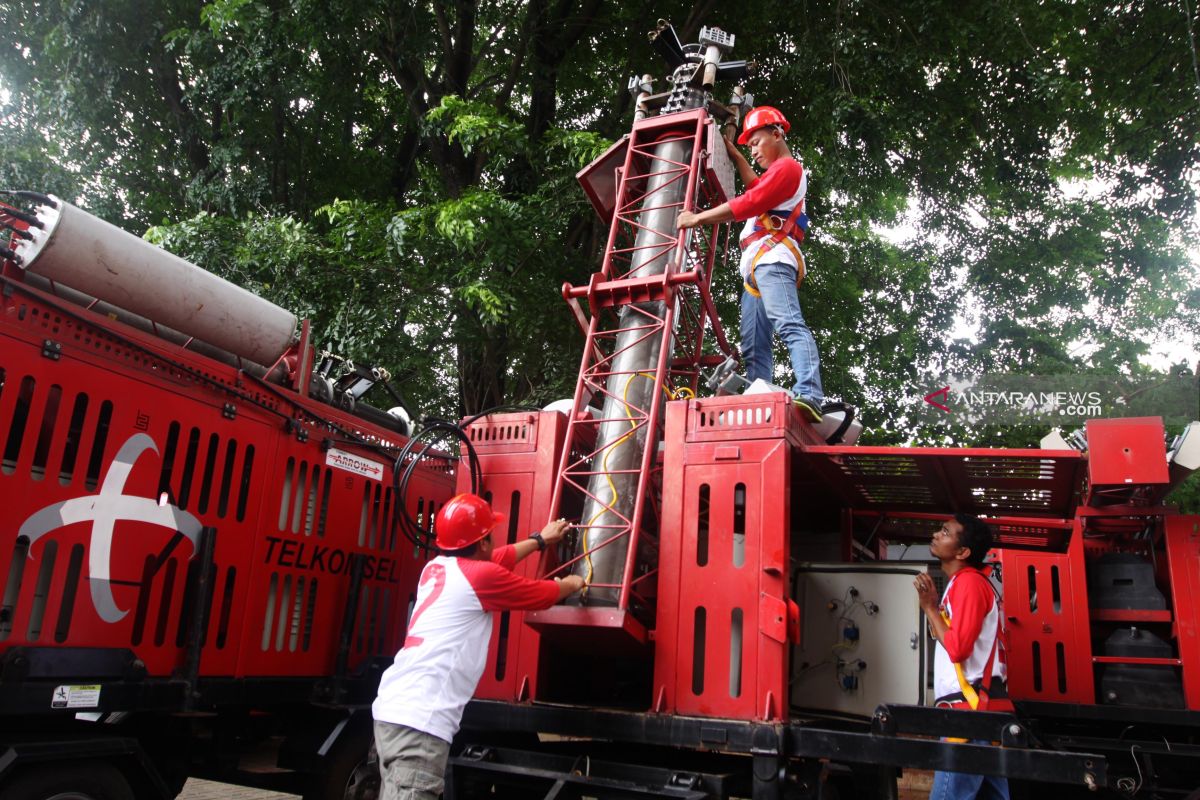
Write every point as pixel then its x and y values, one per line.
pixel 968 662
pixel 772 265
pixel 422 695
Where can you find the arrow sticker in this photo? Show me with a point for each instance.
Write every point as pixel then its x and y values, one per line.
pixel 944 392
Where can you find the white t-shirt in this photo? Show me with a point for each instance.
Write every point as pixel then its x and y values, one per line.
pixel 445 652
pixel 781 188
pixel 974 623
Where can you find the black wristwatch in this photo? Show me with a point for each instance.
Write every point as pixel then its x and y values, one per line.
pixel 537 537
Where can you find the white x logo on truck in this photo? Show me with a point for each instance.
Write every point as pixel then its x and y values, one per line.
pixel 105 509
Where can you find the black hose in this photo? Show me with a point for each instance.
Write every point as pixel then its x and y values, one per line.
pixel 443 428
pixel 20 233
pixel 399 398
pixel 44 199
pixel 406 464
pixel 850 411
pixel 24 216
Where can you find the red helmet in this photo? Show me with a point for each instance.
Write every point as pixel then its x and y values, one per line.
pixel 464 520
pixel 761 117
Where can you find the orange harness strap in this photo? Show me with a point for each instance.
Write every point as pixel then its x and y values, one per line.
pixel 787 233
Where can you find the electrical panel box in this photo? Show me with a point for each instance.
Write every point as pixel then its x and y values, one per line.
pixel 862 637
pixel 1124 452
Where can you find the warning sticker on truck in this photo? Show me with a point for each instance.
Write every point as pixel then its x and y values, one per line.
pixel 340 459
pixel 86 696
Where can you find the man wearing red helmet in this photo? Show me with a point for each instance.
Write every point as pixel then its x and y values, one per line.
pixel 772 265
pixel 422 695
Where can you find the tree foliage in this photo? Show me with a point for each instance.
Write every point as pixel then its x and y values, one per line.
pixel 403 172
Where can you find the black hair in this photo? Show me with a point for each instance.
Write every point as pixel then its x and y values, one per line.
pixel 465 552
pixel 976 536
pixel 462 552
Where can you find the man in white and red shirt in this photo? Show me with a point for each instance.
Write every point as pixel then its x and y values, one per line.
pixel 969 668
pixel 772 265
pixel 422 695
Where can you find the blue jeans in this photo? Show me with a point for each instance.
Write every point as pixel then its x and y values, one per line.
pixel 779 310
pixel 961 786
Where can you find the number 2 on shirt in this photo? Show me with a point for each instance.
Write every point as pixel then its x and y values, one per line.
pixel 436 573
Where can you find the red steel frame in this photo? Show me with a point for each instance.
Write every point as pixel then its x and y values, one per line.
pixel 1182 535
pixel 684 286
pixel 734 470
pixel 1051 624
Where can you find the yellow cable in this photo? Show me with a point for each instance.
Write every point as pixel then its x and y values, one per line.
pixel 612 488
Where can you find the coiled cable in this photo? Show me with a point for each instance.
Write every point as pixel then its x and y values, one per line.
pixel 410 455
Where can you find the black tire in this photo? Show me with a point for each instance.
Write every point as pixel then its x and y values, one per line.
pixel 85 780
pixel 351 773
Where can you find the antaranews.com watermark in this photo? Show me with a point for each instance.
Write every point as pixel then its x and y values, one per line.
pixel 1011 399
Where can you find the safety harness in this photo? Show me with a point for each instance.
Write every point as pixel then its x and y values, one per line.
pixel 986 696
pixel 772 229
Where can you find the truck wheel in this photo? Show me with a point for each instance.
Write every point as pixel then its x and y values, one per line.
pixel 86 780
pixel 352 772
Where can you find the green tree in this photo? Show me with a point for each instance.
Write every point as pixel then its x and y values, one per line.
pixel 403 172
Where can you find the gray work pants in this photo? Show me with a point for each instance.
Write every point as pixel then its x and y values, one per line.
pixel 412 763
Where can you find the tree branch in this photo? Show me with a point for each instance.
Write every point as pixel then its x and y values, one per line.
pixel 502 97
pixel 405 163
pixel 443 25
pixel 491 40
pixel 551 42
pixel 461 57
pixel 166 75
pixel 691 28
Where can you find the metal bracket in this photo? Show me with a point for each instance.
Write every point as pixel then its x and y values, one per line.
pixel 291 425
pixel 883 723
pixel 725 379
pixel 685 780
pixel 229 411
pixel 1014 735
pixel 773 617
pixel 717 38
pixel 639 85
pixel 51 349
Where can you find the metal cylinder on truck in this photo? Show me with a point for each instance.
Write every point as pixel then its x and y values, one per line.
pixel 81 251
pixel 277 375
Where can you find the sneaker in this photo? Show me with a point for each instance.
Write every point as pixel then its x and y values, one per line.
pixel 809 409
